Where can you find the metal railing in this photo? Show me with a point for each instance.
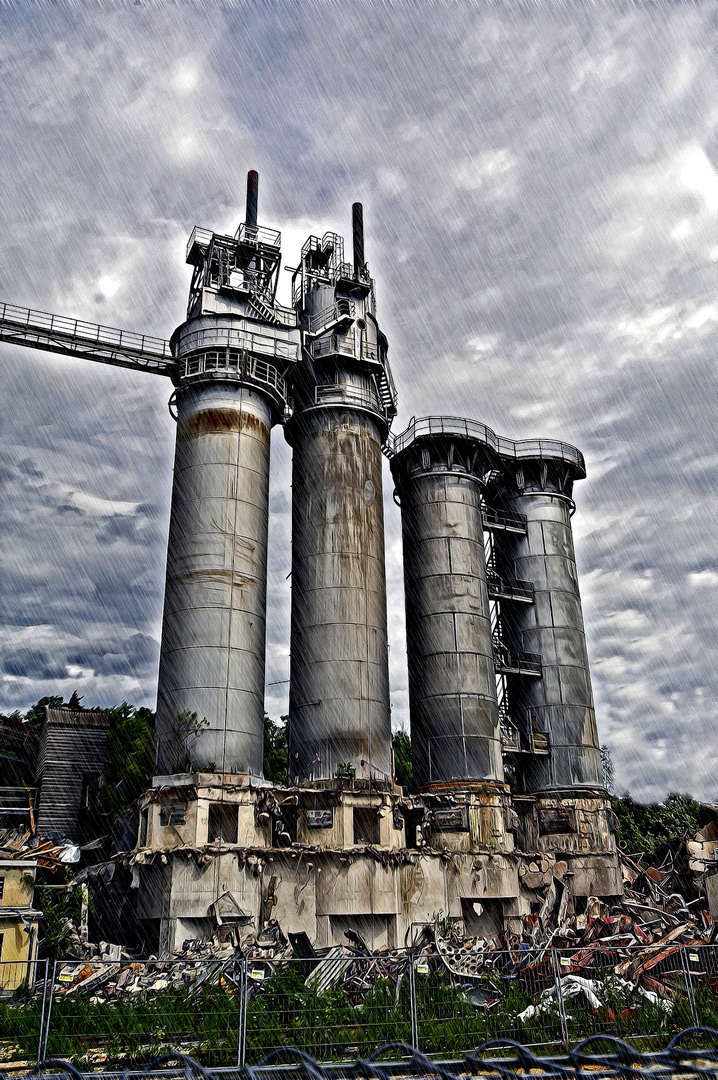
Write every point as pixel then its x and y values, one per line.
pixel 258 234
pixel 503 520
pixel 264 344
pixel 331 394
pixel 334 344
pixel 226 1012
pixel 217 362
pixel 342 309
pixel 199 236
pixel 509 588
pixel 515 663
pixel 26 323
pixel 508 449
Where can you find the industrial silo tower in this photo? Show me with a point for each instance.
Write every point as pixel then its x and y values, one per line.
pixel 233 355
pixel 344 402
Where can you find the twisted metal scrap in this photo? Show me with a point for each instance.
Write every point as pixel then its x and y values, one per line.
pixel 619 1061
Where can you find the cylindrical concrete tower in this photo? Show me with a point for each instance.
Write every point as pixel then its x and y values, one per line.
pixel 339 714
pixel 561 701
pixel 452 681
pixel 232 354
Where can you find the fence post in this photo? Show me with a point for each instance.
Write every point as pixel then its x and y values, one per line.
pixel 687 979
pixel 242 1026
pixel 412 1004
pixel 48 1014
pixel 559 997
pixel 42 1007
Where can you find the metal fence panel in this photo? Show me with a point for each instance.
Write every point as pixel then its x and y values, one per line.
pixel 225 1012
pixel 512 996
pixel 127 1013
pixel 701 966
pixel 637 993
pixel 334 1008
pixel 22 987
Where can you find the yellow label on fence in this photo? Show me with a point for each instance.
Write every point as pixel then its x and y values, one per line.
pixel 693 957
pixel 565 961
pixel 422 969
pixel 257 973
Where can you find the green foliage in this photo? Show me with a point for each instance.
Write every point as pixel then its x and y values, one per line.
pixel 403 764
pixel 130 756
pixel 140 1029
pixel 643 826
pixel 188 728
pixel 609 776
pixel 276 750
pixel 61 909
pixel 36 713
pixel 344 771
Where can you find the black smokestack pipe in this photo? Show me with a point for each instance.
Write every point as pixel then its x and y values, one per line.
pixel 252 197
pixel 358 236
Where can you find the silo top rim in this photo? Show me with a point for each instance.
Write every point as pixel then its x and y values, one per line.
pixel 506 450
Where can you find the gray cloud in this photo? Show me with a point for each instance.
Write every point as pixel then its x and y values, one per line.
pixel 541 197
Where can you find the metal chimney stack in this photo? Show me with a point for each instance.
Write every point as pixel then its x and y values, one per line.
pixel 339 714
pixel 252 198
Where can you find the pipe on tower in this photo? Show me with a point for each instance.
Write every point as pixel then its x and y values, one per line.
pixel 358 236
pixel 250 216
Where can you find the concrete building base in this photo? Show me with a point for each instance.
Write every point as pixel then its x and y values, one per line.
pixel 221 854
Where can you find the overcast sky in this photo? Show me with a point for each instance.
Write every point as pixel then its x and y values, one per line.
pixel 541 194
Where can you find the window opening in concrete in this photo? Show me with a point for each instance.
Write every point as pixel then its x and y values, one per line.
pixel 223 823
pixel 173 814
pixel 482 918
pixel 2 887
pixel 284 826
pixel 366 825
pixel 142 832
pixel 553 820
pixel 378 931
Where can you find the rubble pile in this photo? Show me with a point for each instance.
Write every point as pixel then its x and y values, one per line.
pixel 49 854
pixel 639 949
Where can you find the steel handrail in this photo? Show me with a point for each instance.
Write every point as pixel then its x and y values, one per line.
pixel 511 449
pixel 84 332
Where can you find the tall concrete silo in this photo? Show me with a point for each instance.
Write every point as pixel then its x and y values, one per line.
pixel 233 354
pixel 538 485
pixel 439 466
pixel 344 401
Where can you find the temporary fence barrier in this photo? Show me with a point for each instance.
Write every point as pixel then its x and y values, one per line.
pixel 23 989
pixel 690 1053
pixel 235 1011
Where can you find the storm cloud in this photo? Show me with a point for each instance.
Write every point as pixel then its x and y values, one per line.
pixel 541 196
